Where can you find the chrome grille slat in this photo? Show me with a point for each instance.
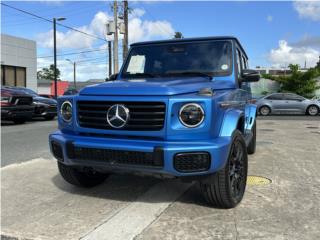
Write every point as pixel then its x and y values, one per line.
pixel 144 116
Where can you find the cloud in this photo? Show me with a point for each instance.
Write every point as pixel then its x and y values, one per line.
pixel 72 39
pixel 137 12
pixel 308 10
pixel 147 30
pixel 286 54
pixel 139 30
pixel 66 69
pixel 308 41
pixel 269 18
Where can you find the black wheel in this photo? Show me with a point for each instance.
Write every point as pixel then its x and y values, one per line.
pixel 78 178
pixel 19 120
pixel 226 188
pixel 251 149
pixel 49 117
pixel 264 110
pixel 313 110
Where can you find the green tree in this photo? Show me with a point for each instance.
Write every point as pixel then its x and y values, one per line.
pixel 178 35
pixel 302 83
pixel 48 73
pixel 318 64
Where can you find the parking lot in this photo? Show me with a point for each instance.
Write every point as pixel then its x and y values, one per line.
pixel 38 204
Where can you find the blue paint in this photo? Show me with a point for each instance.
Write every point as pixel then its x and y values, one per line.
pixel 223 111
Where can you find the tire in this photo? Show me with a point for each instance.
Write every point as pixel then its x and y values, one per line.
pixel 49 117
pixel 81 179
pixel 251 149
pixel 264 110
pixel 224 189
pixel 19 120
pixel 313 110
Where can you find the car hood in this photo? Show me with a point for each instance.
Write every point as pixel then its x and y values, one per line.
pixel 45 100
pixel 155 87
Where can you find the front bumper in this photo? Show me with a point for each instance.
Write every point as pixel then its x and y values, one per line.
pixel 163 152
pixel 45 110
pixel 16 112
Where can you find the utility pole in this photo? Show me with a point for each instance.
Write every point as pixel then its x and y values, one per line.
pixel 55 58
pixel 74 75
pixel 110 58
pixel 115 42
pixel 126 34
pixel 55 53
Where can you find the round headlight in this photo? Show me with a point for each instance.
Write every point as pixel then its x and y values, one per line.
pixel 191 115
pixel 66 111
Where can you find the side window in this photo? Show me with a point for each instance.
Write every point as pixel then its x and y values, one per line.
pixel 239 63
pixel 275 97
pixel 293 97
pixel 244 63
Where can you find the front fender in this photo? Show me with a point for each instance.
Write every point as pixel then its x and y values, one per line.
pixel 230 122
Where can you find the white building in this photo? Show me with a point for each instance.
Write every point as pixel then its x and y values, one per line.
pixel 18 62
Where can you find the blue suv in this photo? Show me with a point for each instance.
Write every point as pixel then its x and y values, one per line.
pixel 178 108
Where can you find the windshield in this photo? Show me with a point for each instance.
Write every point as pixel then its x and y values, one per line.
pixel 29 91
pixel 198 58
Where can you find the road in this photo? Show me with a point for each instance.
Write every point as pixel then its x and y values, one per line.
pixel 143 208
pixel 294 117
pixel 20 143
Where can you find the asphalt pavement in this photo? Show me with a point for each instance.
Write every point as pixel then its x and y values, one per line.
pixel 38 204
pixel 23 142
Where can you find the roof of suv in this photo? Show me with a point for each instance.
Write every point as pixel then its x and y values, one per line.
pixel 175 40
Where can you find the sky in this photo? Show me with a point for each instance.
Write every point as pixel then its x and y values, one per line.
pixel 274 34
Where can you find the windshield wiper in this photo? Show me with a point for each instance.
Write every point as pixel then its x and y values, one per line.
pixel 188 73
pixel 140 75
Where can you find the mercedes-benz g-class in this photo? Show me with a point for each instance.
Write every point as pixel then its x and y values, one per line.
pixel 177 108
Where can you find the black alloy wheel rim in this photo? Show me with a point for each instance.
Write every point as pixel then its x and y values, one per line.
pixel 237 171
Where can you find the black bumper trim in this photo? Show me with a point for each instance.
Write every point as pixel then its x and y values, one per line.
pixel 189 162
pixel 153 159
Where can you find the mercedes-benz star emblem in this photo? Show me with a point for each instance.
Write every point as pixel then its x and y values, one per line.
pixel 117 116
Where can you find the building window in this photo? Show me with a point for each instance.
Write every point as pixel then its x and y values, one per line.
pixel 13 76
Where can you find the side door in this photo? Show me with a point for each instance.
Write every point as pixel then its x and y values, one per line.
pixel 276 102
pixel 293 103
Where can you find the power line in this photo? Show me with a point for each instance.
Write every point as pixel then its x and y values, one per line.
pixel 48 20
pixel 74 53
pixel 91 59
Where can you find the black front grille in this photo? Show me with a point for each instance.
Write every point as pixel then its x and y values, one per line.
pixel 144 116
pixel 116 157
pixel 192 162
pixel 21 100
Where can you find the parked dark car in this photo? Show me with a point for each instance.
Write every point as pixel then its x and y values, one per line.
pixel 46 96
pixel 16 105
pixel 44 107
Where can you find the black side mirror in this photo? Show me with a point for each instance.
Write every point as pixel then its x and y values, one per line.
pixel 249 75
pixel 112 77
